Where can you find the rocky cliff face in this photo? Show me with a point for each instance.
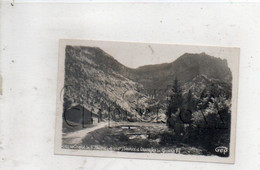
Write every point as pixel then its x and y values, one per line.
pixel 100 83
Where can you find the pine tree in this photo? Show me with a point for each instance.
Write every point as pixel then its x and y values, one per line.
pixel 91 115
pixel 189 101
pixel 186 113
pixel 175 102
pixel 99 115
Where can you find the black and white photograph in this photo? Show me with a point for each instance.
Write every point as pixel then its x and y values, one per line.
pixel 147 100
pixel 133 84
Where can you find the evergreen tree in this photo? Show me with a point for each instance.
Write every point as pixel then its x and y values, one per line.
pixel 189 101
pixel 189 105
pixel 175 102
pixel 99 115
pixel 91 115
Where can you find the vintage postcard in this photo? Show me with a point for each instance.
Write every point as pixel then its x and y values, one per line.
pixel 147 100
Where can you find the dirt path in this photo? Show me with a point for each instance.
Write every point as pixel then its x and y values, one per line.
pixel 75 138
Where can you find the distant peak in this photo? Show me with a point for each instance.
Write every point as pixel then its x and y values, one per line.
pixel 200 56
pixel 94 51
pixel 196 54
pixel 102 52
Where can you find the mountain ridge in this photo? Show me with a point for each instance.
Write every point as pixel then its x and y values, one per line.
pixel 91 69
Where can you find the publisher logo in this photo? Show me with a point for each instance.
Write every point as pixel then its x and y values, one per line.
pixel 221 149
